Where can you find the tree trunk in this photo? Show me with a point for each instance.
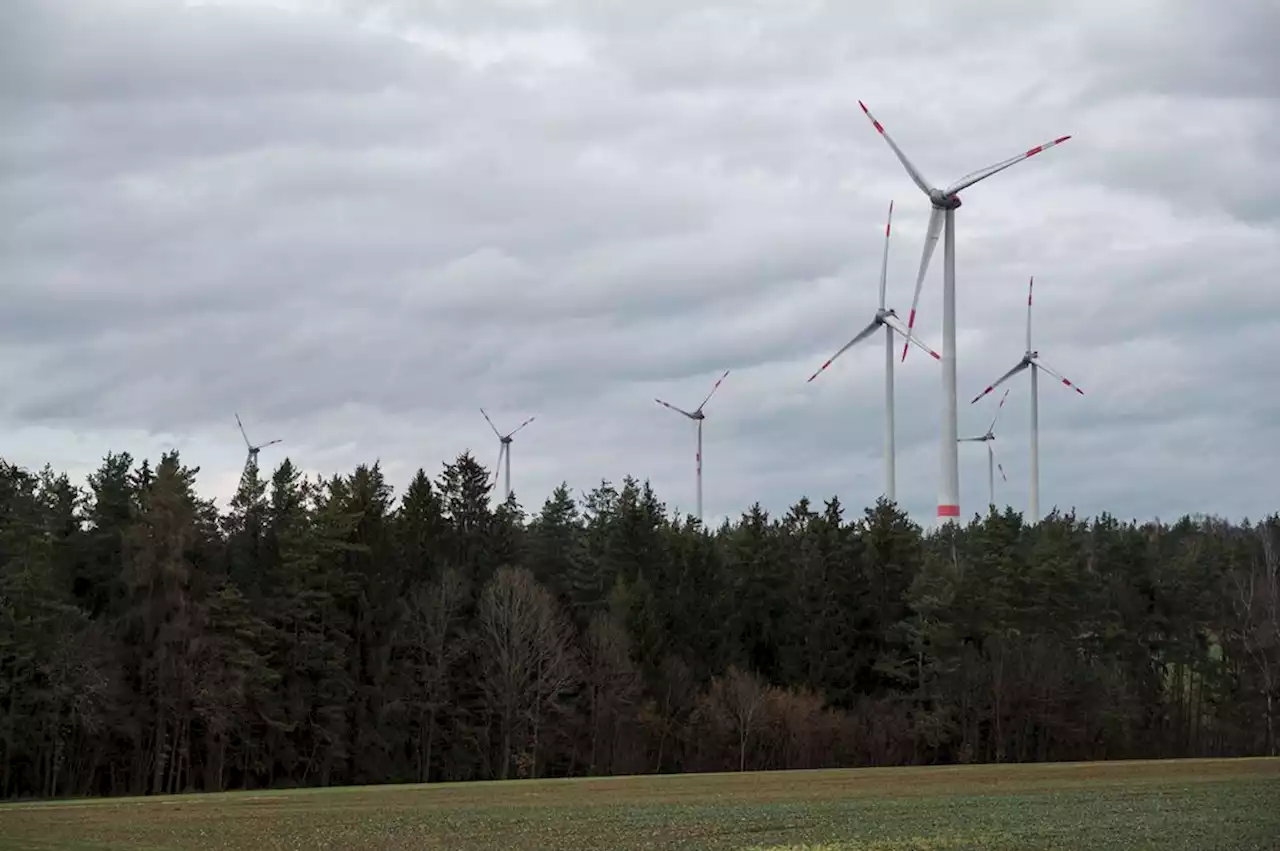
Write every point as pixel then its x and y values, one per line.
pixel 158 757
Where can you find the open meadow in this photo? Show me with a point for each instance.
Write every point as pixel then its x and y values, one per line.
pixel 1196 805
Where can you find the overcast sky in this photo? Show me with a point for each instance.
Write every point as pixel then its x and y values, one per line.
pixel 357 222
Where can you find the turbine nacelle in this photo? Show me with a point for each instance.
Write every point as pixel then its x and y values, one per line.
pixel 943 201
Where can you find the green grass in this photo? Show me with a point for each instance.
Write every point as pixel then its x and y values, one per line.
pixel 1189 805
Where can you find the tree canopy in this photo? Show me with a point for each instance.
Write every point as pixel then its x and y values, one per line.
pixel 322 632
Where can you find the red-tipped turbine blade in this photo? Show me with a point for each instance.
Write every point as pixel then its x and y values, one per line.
pixel 936 220
pixel 896 324
pixel 522 425
pixel 674 408
pixel 861 335
pixel 1042 365
pixel 1001 380
pixel 490 422
pixel 497 468
pixel 714 388
pixel 999 408
pixel 884 261
pixel 982 174
pixel 1030 285
pixel 242 432
pixel 914 172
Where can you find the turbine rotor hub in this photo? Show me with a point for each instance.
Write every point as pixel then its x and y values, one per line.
pixel 943 201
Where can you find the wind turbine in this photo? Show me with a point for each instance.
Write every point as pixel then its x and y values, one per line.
pixel 1031 360
pixel 888 319
pixel 252 457
pixel 504 452
pixel 697 416
pixel 988 439
pixel 945 202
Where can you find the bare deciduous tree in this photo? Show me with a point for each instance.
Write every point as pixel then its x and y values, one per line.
pixel 612 684
pixel 1257 604
pixel 526 658
pixel 432 615
pixel 736 700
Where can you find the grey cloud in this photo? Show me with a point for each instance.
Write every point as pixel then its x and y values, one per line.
pixel 357 222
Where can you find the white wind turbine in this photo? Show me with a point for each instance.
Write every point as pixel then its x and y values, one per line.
pixel 888 319
pixel 504 453
pixel 697 416
pixel 252 457
pixel 1031 359
pixel 945 202
pixel 992 465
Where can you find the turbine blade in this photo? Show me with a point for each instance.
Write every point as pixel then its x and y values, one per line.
pixel 491 425
pixel 1002 379
pixel 936 219
pixel 242 432
pixel 674 408
pixel 522 425
pixel 861 335
pixel 714 388
pixel 1030 285
pixel 497 468
pixel 884 262
pixel 999 408
pixel 1041 365
pixel 916 176
pixel 992 450
pixel 271 442
pixel 970 439
pixel 896 324
pixel 982 174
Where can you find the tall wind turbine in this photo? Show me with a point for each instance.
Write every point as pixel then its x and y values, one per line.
pixel 697 416
pixel 888 319
pixel 504 453
pixel 252 457
pixel 1031 359
pixel 988 439
pixel 945 202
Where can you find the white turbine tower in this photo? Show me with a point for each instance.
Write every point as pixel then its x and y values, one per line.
pixel 888 319
pixel 504 453
pixel 252 457
pixel 697 416
pixel 1031 360
pixel 992 465
pixel 945 202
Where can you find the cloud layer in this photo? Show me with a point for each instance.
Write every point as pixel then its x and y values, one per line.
pixel 357 222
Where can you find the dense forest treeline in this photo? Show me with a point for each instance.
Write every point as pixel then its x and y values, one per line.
pixel 319 632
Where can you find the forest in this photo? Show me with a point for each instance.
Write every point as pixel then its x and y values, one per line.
pixel 325 632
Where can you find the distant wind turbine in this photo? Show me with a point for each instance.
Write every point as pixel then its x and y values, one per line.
pixel 945 202
pixel 697 416
pixel 252 457
pixel 888 319
pixel 504 453
pixel 1031 359
pixel 992 465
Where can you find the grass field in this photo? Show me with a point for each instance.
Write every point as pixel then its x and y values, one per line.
pixel 1196 805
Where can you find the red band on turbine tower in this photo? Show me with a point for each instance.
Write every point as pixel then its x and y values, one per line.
pixel 948 511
